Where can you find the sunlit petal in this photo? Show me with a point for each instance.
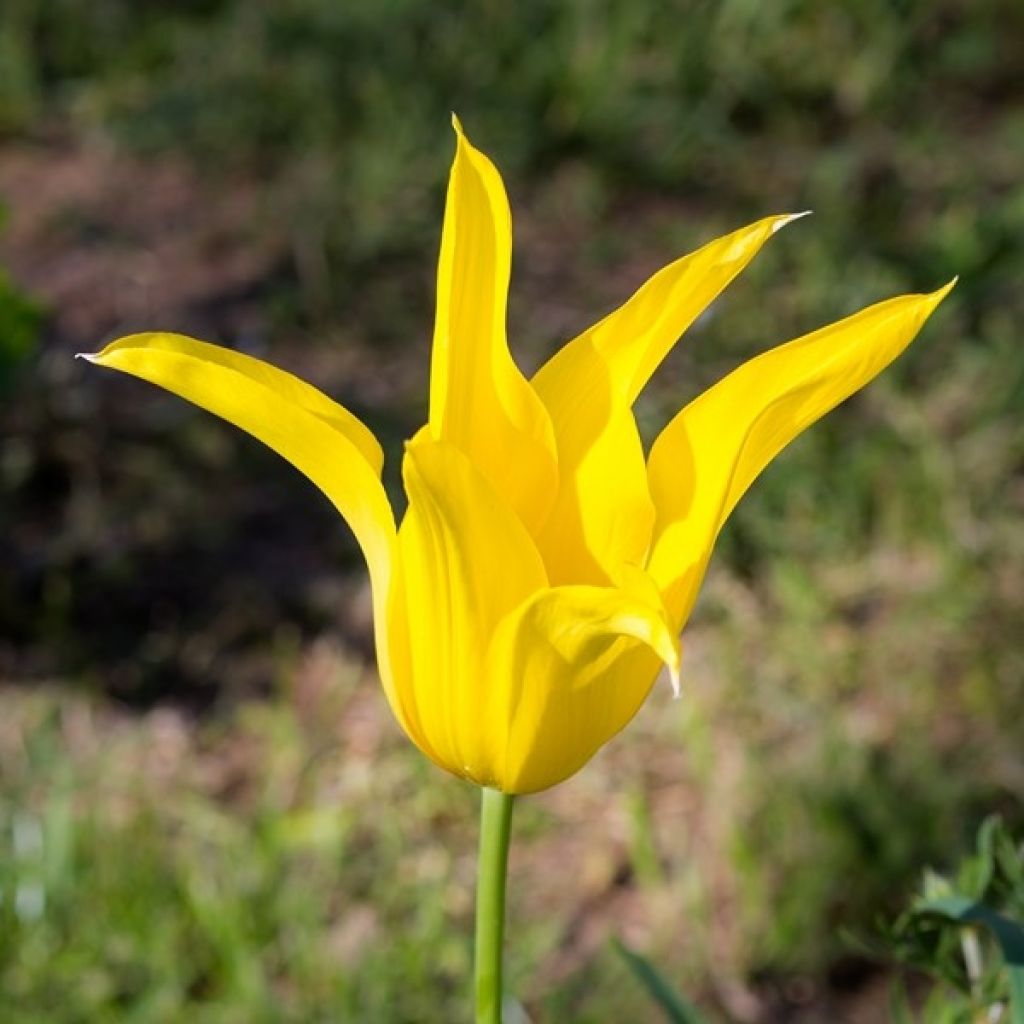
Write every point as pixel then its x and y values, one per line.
pixel 320 438
pixel 636 337
pixel 709 454
pixel 479 400
pixel 574 664
pixel 603 514
pixel 317 436
pixel 464 562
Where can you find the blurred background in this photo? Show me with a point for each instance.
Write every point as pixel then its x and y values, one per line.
pixel 206 811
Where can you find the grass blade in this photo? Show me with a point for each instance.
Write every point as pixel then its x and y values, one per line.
pixel 677 1009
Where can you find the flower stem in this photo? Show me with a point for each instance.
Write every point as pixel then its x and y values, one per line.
pixel 495 829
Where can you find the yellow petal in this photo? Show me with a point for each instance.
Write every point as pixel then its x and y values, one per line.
pixel 709 454
pixel 316 435
pixel 479 400
pixel 464 562
pixel 637 336
pixel 284 384
pixel 603 514
pixel 573 664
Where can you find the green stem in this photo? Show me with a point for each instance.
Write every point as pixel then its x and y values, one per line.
pixel 495 829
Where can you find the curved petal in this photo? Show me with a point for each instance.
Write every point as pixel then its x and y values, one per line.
pixel 710 453
pixel 637 336
pixel 464 562
pixel 574 664
pixel 316 435
pixel 603 515
pixel 286 385
pixel 479 400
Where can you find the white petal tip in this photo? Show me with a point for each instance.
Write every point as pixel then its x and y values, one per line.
pixel 673 676
pixel 457 124
pixel 781 222
pixel 89 357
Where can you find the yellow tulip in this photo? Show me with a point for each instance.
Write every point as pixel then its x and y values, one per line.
pixel 545 566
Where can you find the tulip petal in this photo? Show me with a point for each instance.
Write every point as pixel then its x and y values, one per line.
pixel 284 384
pixel 603 515
pixel 637 336
pixel 479 400
pixel 574 664
pixel 465 560
pixel 710 453
pixel 316 435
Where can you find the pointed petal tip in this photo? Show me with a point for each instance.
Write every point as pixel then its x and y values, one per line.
pixel 932 300
pixel 788 218
pixel 457 126
pixel 673 660
pixel 673 678
pixel 89 357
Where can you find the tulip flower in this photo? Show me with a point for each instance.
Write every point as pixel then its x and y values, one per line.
pixel 546 564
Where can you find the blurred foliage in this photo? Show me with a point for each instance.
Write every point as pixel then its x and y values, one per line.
pixel 245 872
pixel 856 666
pixel 966 931
pixel 675 1007
pixel 341 105
pixel 293 902
pixel 20 322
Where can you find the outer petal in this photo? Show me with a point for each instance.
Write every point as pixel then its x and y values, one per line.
pixel 574 664
pixel 603 515
pixel 705 459
pixel 479 400
pixel 637 336
pixel 316 435
pixel 464 562
pixel 286 385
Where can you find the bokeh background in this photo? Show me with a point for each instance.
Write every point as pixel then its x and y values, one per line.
pixel 206 811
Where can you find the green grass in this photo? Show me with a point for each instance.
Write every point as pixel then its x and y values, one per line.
pixel 244 871
pixel 146 878
pixel 855 668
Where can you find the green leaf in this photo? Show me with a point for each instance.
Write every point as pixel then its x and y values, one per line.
pixel 1009 934
pixel 1011 862
pixel 985 862
pixel 677 1009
